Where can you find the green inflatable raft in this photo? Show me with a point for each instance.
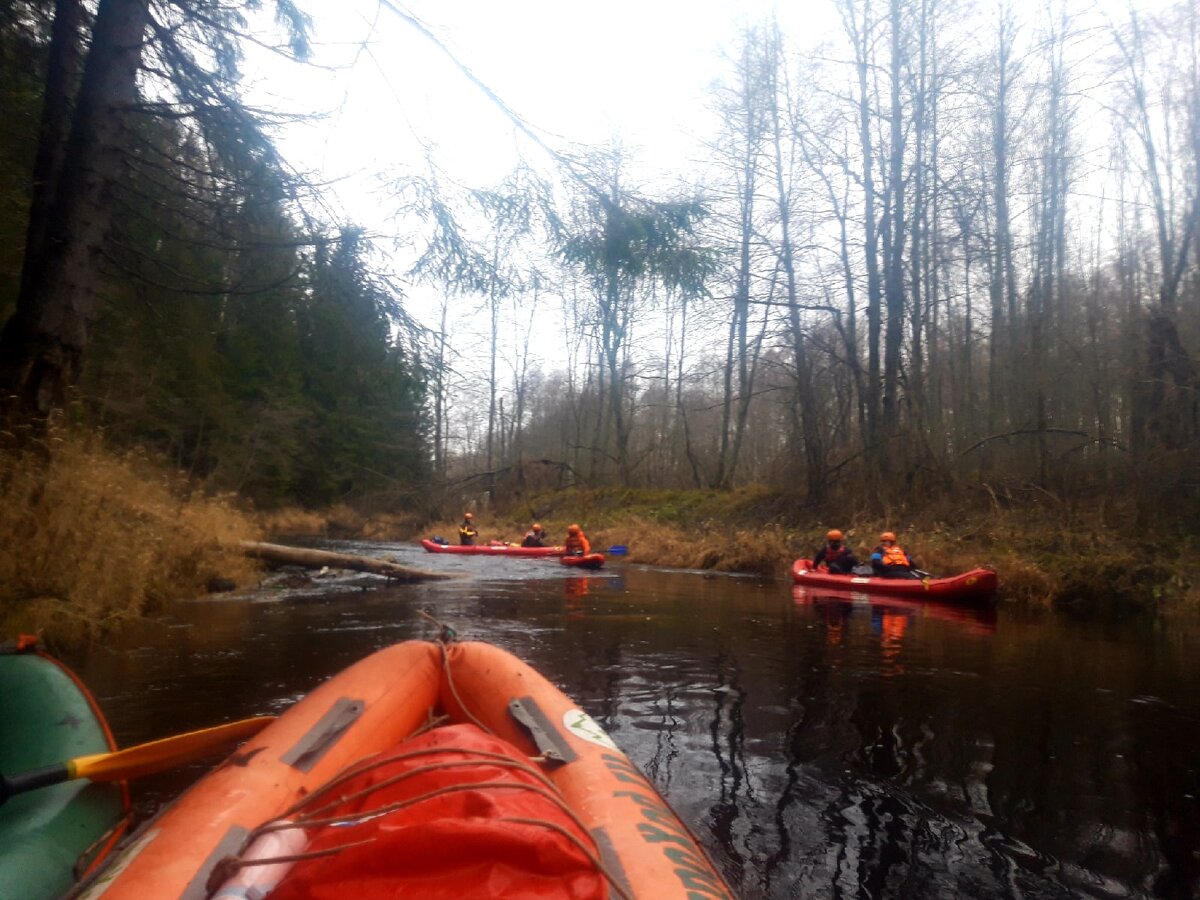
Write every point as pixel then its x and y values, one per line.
pixel 51 836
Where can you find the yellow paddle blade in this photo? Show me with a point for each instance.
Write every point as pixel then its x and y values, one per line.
pixel 145 759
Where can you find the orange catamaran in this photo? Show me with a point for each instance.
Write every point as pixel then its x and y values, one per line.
pixel 433 770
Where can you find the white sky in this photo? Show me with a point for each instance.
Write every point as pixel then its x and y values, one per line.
pixel 578 72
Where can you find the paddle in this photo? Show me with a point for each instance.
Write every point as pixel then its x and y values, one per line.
pixel 144 759
pixel 618 550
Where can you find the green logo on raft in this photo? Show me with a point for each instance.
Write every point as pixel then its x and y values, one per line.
pixel 584 726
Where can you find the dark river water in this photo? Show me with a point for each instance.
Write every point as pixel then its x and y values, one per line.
pixel 818 746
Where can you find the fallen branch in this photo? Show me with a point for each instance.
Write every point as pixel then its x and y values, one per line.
pixel 1023 431
pixel 319 559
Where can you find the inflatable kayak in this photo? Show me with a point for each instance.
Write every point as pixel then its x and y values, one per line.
pixel 426 770
pixel 51 836
pixel 492 549
pixel 977 584
pixel 587 561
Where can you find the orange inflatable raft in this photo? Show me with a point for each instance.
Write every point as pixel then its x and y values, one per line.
pixel 426 770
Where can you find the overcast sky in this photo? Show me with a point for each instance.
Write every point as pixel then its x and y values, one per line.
pixel 578 72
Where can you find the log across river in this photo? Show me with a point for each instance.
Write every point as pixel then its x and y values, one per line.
pixel 818 747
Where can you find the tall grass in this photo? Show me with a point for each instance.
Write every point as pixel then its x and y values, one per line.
pixel 90 538
pixel 1043 552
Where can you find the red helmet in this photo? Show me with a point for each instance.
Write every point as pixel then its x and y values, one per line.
pixel 573 529
pixel 888 536
pixel 834 535
pixel 537 527
pixel 469 516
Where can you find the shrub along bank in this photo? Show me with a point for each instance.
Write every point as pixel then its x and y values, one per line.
pixel 90 538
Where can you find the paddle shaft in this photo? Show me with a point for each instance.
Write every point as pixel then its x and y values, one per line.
pixel 143 759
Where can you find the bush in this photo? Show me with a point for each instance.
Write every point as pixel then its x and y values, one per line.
pixel 89 539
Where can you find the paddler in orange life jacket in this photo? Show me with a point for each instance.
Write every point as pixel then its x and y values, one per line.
pixel 467 532
pixel 837 557
pixel 577 542
pixel 889 559
pixel 534 537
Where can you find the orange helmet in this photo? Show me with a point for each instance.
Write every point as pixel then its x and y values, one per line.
pixel 888 536
pixel 834 535
pixel 469 516
pixel 537 527
pixel 573 529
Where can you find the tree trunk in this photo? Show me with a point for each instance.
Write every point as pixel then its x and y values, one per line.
pixel 42 344
pixel 894 234
pixel 320 559
pixel 65 60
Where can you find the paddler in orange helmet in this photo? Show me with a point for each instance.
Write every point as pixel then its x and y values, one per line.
pixel 889 560
pixel 838 558
pixel 577 542
pixel 467 532
pixel 534 537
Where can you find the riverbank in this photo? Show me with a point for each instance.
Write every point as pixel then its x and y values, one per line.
pixel 90 539
pixel 1046 552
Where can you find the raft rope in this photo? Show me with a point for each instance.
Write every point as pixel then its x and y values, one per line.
pixel 372 814
pixel 294 818
pixel 229 865
pixel 498 759
pixel 454 691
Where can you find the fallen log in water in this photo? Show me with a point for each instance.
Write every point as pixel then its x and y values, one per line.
pixel 318 559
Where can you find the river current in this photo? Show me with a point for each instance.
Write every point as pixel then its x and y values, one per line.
pixel 819 746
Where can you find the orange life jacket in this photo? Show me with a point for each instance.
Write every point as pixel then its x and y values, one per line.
pixel 577 543
pixel 895 556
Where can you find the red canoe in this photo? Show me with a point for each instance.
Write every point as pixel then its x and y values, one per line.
pixel 977 584
pixel 590 561
pixel 493 549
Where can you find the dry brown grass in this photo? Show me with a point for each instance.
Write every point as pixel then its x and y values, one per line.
pixel 340 521
pixel 1043 552
pixel 291 520
pixel 89 538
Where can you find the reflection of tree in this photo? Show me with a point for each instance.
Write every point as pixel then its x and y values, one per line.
pixel 728 807
pixel 666 748
pixel 1174 810
pixel 875 832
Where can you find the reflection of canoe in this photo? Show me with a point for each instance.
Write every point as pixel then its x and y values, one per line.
pixel 978 584
pixel 977 618
pixel 424 770
pixel 590 561
pixel 493 549
pixel 51 835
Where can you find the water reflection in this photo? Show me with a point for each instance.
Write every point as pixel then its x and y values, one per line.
pixel 827 745
pixel 890 615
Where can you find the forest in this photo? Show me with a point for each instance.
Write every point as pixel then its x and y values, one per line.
pixel 950 250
